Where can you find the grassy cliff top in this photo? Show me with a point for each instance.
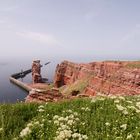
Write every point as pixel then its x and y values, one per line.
pixel 135 64
pixel 93 119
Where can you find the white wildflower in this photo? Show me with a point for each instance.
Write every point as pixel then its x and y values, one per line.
pixel 61 136
pixel 101 99
pixel 129 102
pixel 36 123
pixel 43 120
pixel 87 109
pixel 61 119
pixel 85 137
pixel 55 117
pixel 70 111
pixel 66 130
pixel 83 123
pixel 59 129
pixel 29 125
pixel 137 111
pixel 67 133
pixel 74 130
pixel 121 97
pixel 123 126
pixel 75 135
pixel 41 125
pixel 131 107
pixel 77 119
pixel 138 104
pixel 118 138
pixel 93 100
pixel 112 97
pixel 63 127
pixel 119 107
pixel 1 129
pixel 57 132
pixel 49 121
pixel 107 124
pixel 82 108
pixel 56 122
pixel 116 101
pixel 70 122
pixel 71 116
pixel 41 106
pixel 15 139
pixel 66 118
pixel 75 114
pixel 41 110
pixel 129 136
pixel 26 131
pixel 125 112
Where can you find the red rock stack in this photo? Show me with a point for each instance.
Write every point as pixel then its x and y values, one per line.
pixel 36 72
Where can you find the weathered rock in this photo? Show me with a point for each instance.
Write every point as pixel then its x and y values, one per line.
pixel 52 95
pixel 36 72
pixel 109 77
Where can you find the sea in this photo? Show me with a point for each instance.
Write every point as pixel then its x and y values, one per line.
pixel 9 92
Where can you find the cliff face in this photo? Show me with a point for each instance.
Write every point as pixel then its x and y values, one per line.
pixel 109 77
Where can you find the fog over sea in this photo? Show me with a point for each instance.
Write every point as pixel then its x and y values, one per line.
pixel 10 93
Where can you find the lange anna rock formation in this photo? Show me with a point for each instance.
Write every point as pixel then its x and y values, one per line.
pixel 36 72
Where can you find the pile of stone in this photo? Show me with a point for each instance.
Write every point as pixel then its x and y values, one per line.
pixel 40 96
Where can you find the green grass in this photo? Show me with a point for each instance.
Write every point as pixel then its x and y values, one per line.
pixel 100 118
pixel 79 85
pixel 14 117
pixel 133 65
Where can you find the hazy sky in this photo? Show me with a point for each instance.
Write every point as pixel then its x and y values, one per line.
pixel 84 29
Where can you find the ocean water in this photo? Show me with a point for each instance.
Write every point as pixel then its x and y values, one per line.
pixel 10 93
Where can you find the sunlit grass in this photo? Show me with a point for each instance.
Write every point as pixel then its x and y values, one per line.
pixel 79 85
pixel 135 64
pixel 97 118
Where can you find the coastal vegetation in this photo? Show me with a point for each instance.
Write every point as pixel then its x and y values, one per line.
pixel 79 85
pixel 135 64
pixel 101 117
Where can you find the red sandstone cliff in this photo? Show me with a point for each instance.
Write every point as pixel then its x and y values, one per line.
pixel 109 77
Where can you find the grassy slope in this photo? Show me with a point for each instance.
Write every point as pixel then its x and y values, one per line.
pixel 14 117
pixel 97 119
pixel 78 85
pixel 134 64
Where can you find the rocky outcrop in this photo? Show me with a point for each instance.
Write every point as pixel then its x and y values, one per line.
pixel 109 77
pixel 68 72
pixel 36 72
pixel 83 80
pixel 40 96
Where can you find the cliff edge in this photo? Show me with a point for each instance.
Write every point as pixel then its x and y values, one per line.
pixel 108 77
